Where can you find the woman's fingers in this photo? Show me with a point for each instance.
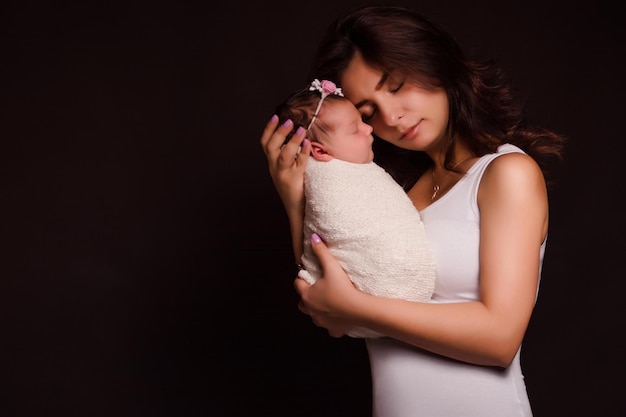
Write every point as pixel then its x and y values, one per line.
pixel 300 285
pixel 281 154
pixel 268 132
pixel 327 260
pixel 294 150
pixel 273 137
pixel 303 308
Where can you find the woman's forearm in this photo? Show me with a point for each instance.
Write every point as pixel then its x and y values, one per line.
pixel 296 226
pixel 466 331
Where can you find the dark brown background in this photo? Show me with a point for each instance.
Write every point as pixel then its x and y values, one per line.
pixel 146 268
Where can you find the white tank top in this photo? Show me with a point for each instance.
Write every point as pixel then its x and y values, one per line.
pixel 410 382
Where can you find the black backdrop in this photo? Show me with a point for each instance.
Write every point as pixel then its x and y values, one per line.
pixel 146 268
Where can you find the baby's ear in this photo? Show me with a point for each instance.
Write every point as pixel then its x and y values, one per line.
pixel 319 152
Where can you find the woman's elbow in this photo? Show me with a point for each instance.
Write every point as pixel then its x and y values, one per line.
pixel 503 352
pixel 503 360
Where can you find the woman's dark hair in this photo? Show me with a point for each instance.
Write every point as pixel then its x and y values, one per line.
pixel 484 112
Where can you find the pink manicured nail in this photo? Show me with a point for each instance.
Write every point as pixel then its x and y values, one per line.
pixel 299 131
pixel 288 123
pixel 274 119
pixel 304 142
pixel 315 238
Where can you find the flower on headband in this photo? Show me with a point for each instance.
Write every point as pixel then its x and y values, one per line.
pixel 325 87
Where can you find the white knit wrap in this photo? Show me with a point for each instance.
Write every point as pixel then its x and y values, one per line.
pixel 371 226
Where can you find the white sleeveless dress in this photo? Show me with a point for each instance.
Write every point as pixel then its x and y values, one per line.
pixel 410 382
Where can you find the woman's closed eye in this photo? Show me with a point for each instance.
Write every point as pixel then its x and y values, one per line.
pixel 368 111
pixel 394 88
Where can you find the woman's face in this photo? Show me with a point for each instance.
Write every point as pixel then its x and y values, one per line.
pixel 401 113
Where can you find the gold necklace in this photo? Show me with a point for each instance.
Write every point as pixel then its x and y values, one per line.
pixel 436 186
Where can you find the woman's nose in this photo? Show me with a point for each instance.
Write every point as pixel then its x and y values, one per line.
pixel 390 116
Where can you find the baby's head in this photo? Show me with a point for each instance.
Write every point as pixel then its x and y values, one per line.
pixel 334 126
pixel 304 107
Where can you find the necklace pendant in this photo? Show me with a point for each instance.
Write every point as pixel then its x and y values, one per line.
pixel 435 189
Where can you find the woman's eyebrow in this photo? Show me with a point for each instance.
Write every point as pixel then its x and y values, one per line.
pixel 379 85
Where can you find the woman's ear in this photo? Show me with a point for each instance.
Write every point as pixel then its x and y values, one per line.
pixel 319 152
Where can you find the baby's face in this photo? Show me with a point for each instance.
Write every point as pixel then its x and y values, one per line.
pixel 351 138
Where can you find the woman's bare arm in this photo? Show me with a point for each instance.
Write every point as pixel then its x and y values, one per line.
pixel 514 210
pixel 286 164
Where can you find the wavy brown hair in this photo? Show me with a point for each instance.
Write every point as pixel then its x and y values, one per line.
pixel 484 111
pixel 300 106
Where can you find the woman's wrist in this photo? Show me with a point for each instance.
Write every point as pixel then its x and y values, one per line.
pixel 356 307
pixel 295 212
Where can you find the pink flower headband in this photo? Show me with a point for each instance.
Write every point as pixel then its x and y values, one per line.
pixel 325 88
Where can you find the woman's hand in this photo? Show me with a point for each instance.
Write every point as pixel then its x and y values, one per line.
pixel 286 162
pixel 332 302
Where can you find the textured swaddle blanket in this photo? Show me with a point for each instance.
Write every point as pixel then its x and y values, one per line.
pixel 371 226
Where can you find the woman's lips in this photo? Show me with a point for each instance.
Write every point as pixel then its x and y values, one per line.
pixel 410 133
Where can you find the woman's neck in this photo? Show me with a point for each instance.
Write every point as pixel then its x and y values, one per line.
pixel 461 154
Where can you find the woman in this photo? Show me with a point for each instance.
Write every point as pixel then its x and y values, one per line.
pixel 455 138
